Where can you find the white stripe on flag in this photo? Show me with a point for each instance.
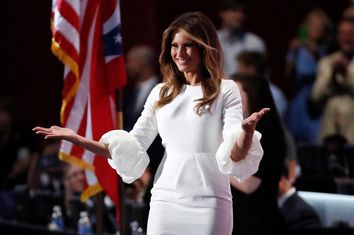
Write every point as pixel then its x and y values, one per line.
pixel 67 30
pixel 75 5
pixel 78 108
pixel 87 155
pixel 54 5
pixel 83 5
pixel 91 178
pixel 107 59
pixel 113 21
pixel 66 71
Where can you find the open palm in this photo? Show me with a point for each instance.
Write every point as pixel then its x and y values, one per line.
pixel 249 124
pixel 55 132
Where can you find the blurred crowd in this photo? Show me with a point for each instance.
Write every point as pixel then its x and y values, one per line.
pixel 307 138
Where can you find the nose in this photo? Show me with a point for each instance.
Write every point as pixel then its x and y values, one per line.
pixel 181 52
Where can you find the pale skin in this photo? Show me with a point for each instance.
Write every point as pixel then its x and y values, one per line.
pixel 186 56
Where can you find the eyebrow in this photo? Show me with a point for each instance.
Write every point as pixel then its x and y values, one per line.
pixel 185 43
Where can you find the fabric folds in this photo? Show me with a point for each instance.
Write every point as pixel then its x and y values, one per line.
pixel 244 168
pixel 128 158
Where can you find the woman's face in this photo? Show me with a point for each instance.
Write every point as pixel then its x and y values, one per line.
pixel 185 53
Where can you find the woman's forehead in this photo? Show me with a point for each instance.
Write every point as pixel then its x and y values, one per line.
pixel 181 34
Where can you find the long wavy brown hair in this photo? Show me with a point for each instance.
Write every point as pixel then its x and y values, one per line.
pixel 202 31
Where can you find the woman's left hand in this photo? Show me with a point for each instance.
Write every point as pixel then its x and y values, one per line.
pixel 249 124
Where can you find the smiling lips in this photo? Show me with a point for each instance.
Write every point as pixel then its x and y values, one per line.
pixel 183 62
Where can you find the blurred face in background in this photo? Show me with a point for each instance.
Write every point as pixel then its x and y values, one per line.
pixel 76 179
pixel 345 37
pixel 134 65
pixel 348 13
pixel 5 121
pixel 248 70
pixel 316 26
pixel 232 19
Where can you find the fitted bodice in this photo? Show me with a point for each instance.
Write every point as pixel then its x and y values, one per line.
pixel 183 131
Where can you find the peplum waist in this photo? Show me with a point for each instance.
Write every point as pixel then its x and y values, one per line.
pixel 191 178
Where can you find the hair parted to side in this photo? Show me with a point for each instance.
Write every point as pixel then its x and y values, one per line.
pixel 202 31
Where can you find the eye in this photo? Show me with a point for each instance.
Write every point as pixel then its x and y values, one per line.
pixel 174 46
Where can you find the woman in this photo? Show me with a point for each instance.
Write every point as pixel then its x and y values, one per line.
pixel 199 118
pixel 255 205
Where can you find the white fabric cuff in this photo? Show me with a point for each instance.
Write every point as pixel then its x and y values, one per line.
pixel 246 167
pixel 127 157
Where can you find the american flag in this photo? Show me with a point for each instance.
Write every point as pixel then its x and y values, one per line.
pixel 87 39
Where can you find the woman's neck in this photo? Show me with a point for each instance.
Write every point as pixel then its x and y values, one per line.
pixel 192 79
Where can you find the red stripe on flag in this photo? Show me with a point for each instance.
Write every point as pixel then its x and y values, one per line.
pixel 91 9
pixel 68 83
pixel 69 14
pixel 108 9
pixel 76 150
pixel 65 45
pixel 115 70
pixel 101 113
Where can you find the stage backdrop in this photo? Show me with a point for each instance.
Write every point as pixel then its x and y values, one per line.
pixel 33 76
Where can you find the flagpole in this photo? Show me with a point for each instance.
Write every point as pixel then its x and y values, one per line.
pixel 121 187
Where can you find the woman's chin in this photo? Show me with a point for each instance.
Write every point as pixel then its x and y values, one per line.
pixel 184 69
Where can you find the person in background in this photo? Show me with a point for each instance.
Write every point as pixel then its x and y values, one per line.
pixel 291 157
pixel 252 63
pixel 348 13
pixel 301 67
pixel 298 214
pixel 255 199
pixel 17 149
pixel 45 183
pixel 233 37
pixel 142 78
pixel 75 183
pixel 337 159
pixel 333 90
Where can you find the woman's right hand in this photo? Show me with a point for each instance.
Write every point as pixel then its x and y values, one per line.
pixel 55 132
pixel 249 124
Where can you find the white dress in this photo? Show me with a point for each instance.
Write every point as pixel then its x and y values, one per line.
pixel 191 192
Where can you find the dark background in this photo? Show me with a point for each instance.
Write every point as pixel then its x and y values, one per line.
pixel 32 76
